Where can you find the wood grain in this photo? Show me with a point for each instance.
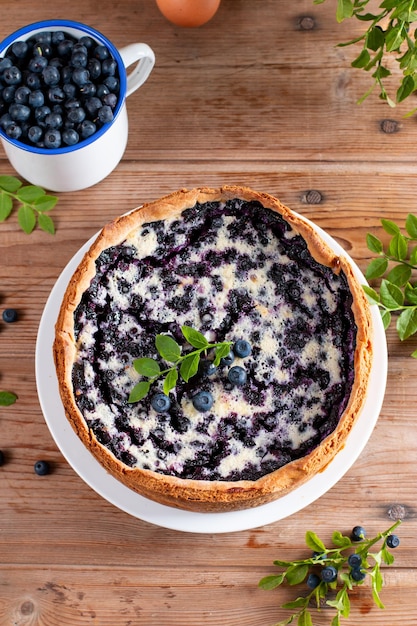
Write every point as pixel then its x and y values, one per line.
pixel 256 97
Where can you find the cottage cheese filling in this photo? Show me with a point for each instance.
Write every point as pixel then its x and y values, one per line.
pixel 232 271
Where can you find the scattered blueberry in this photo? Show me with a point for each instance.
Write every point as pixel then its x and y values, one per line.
pixel 313 581
pixel 329 574
pixel 206 368
pixel 355 560
pixel 393 541
pixel 358 533
pixel 202 401
pixel 357 574
pixel 160 403
pixel 237 375
pixel 9 315
pixel 228 359
pixel 242 348
pixel 41 468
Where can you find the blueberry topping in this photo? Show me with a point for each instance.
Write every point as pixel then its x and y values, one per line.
pixel 393 541
pixel 9 315
pixel 206 368
pixel 41 468
pixel 202 401
pixel 242 348
pixel 328 574
pixel 228 359
pixel 358 533
pixel 161 403
pixel 237 375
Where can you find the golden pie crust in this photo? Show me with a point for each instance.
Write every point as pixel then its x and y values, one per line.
pixel 204 495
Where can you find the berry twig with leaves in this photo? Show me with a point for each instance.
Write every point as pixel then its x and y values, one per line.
pixel 184 365
pixel 336 570
pixel 397 261
pixel 34 204
pixel 388 31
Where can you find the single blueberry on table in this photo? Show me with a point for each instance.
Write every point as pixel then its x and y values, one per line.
pixel 237 375
pixel 393 541
pixel 358 533
pixel 160 402
pixel 202 401
pixel 242 348
pixel 329 574
pixel 41 468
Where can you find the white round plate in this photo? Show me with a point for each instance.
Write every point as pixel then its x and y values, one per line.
pixel 127 500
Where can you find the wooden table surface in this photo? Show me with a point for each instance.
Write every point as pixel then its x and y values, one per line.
pixel 260 97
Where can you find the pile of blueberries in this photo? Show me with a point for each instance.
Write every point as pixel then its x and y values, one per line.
pixel 56 90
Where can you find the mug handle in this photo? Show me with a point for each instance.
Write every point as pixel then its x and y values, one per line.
pixel 144 57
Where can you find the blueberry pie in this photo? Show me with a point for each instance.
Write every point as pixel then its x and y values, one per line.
pixel 237 266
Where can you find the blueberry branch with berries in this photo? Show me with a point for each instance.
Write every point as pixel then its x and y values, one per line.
pixel 331 573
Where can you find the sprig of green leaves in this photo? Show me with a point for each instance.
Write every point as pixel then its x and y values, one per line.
pixel 295 572
pixel 397 261
pixel 7 398
pixel 184 365
pixel 388 31
pixel 34 204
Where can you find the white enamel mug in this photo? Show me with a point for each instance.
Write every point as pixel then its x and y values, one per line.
pixel 86 163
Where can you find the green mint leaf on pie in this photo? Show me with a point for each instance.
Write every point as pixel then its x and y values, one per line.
pixel 32 204
pixel 334 572
pixel 168 348
pixel 170 381
pixel 7 398
pixel 220 352
pixel 139 391
pixel 189 366
pixel 147 367
pixel 194 337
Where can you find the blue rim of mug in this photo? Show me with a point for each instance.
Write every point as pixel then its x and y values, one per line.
pixel 25 32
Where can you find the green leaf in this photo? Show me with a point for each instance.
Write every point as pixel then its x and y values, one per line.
pixel 26 218
pixel 386 318
pixel 30 193
pixel 194 338
pixel 189 366
pixel 46 223
pixel 391 296
pixel 139 391
pixel 410 293
pixel 10 183
pixel 314 543
pixel 399 275
pixel 45 203
pixel 387 557
pixel 374 244
pixel 344 9
pixel 296 573
pixel 304 619
pixel 398 247
pixel 362 60
pixel 375 37
pixel 413 257
pixel 170 381
pixel 168 348
pixel 414 354
pixel 336 620
pixel 390 227
pixel 407 323
pixel 7 398
pixel 394 38
pixel 341 541
pixel 220 352
pixel 406 88
pixel 147 367
pixel 271 582
pixel 411 225
pixel 6 206
pixel 298 603
pixel 376 268
pixel 372 295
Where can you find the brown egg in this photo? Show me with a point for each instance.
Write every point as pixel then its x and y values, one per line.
pixel 188 13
